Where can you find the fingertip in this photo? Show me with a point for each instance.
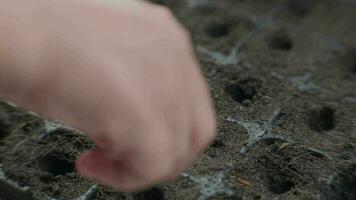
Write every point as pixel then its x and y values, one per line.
pixel 87 163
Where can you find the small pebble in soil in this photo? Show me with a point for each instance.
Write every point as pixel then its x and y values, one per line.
pixel 322 119
pixel 90 194
pixel 259 95
pixel 247 102
pixel 55 190
pixel 56 128
pixel 318 153
pixel 267 99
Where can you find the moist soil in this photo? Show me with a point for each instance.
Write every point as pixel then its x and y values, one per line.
pixel 283 78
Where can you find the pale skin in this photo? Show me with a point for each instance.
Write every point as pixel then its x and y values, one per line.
pixel 125 74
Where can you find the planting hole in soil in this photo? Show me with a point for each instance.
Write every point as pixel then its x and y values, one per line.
pixel 4 125
pixel 152 194
pixel 218 143
pixel 280 183
pixel 343 186
pixel 218 30
pixel 243 90
pixel 280 41
pixel 279 178
pixel 3 134
pixel 56 163
pixel 322 119
pixel 298 7
pixel 285 166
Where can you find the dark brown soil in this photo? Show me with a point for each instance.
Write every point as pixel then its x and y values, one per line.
pixel 283 78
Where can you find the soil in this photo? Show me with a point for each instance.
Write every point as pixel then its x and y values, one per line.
pixel 283 78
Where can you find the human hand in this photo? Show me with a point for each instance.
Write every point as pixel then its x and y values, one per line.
pixel 127 77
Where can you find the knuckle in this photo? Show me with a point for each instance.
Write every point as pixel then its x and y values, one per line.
pixel 164 11
pixel 159 169
pixel 184 35
pixel 159 161
pixel 208 127
pixel 173 25
pixel 211 128
pixel 210 122
pixel 204 134
pixel 165 161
